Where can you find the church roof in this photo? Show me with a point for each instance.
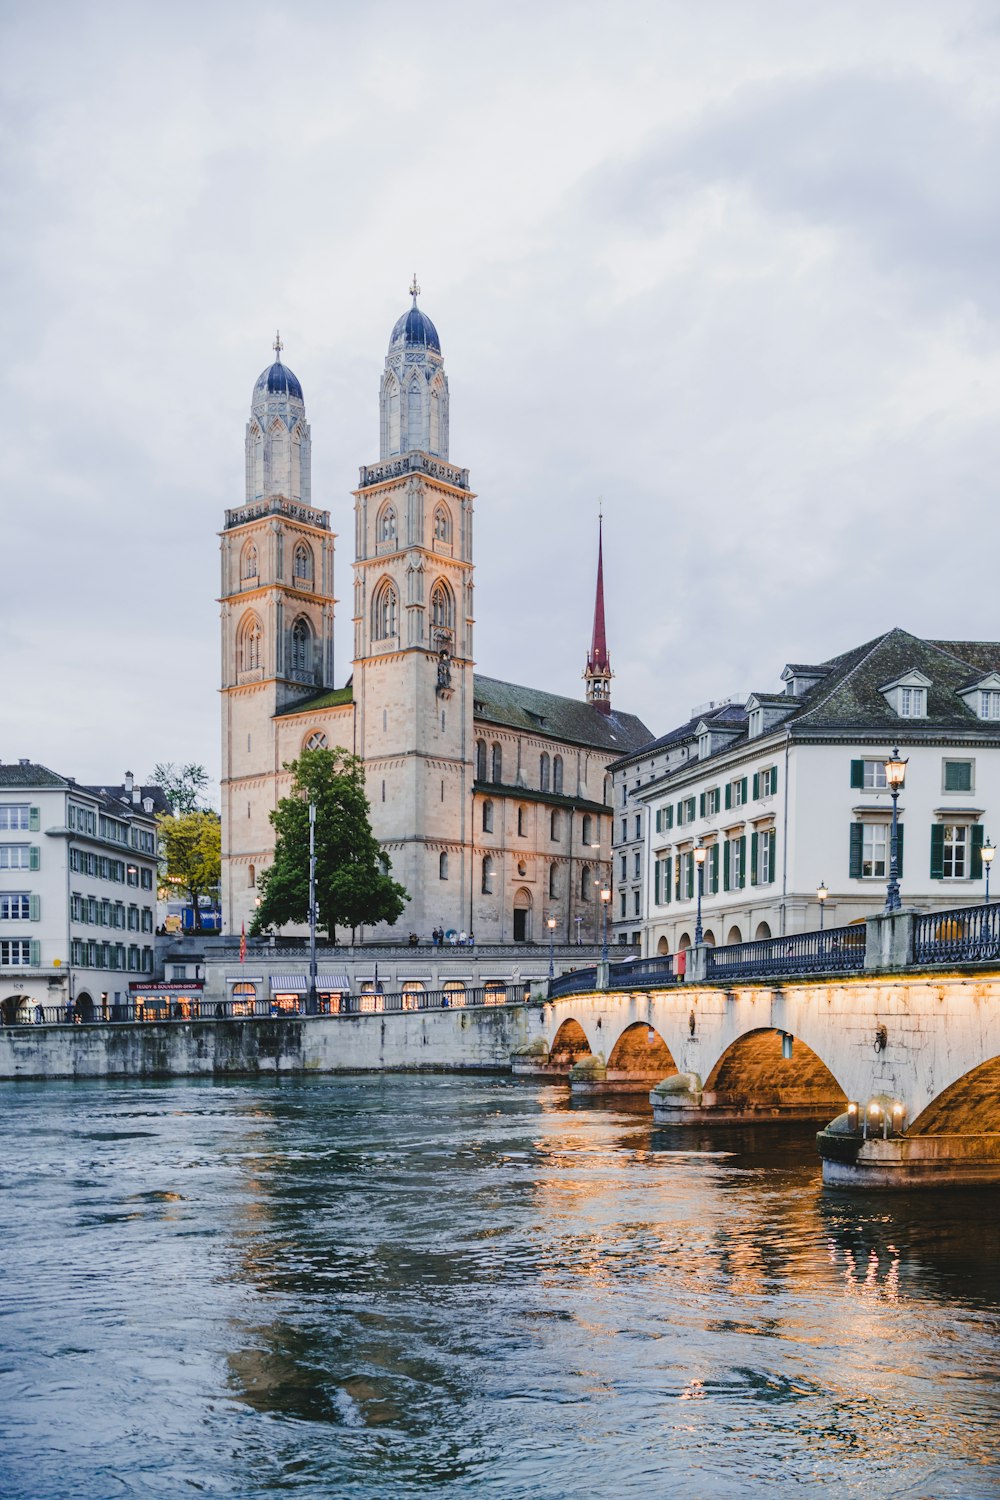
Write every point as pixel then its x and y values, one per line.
pixel 278 380
pixel 415 330
pixel 329 698
pixel 571 719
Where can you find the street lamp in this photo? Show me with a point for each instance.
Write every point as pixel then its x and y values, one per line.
pixel 821 895
pixel 700 855
pixel 551 925
pixel 312 1005
pixel 987 852
pixel 605 903
pixel 895 775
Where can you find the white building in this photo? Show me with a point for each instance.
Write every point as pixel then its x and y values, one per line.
pixel 787 792
pixel 77 891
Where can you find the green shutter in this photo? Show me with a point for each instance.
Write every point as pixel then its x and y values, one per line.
pixel 774 781
pixel 729 795
pixel 34 856
pixel 668 879
pixel 659 821
pixel 680 812
pixel 725 866
pixel 899 850
pixel 857 842
pixel 937 851
pixel 701 805
pixel 858 774
pixel 33 820
pixel 743 783
pixel 668 816
pixel 35 952
pixel 657 870
pixel 714 862
pixel 753 858
pixel 34 908
pixel 690 879
pixel 772 836
pixel 743 860
pixel 977 851
pixel 756 785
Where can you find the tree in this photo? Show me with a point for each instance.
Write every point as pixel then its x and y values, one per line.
pixel 192 848
pixel 353 886
pixel 183 786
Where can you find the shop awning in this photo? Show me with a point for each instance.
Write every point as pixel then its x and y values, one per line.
pixel 330 982
pixel 289 984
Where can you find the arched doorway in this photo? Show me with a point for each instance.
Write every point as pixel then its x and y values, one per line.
pixel 84 1007
pixel 709 937
pixel 734 935
pixel 9 1009
pixel 765 1073
pixel 763 931
pixel 684 942
pixel 663 948
pixel 522 916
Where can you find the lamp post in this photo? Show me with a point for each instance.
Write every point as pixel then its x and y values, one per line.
pixel 700 855
pixel 895 775
pixel 986 853
pixel 311 1003
pixel 605 903
pixel 821 895
pixel 551 925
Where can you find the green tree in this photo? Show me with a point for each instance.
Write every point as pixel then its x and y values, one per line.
pixel 192 855
pixel 353 886
pixel 183 786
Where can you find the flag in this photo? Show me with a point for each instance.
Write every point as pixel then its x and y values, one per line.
pixel 243 943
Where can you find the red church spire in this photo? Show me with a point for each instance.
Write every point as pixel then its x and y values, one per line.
pixel 598 673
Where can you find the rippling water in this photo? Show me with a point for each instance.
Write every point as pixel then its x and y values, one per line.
pixel 435 1286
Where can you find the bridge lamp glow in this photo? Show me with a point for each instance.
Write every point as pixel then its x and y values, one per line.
pixel 852 1115
pixel 895 775
pixel 605 903
pixel 897 1117
pixel 986 854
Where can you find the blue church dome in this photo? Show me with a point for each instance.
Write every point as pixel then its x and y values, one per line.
pixel 278 380
pixel 415 330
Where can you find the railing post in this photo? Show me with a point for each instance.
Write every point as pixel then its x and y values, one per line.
pixel 603 974
pixel 696 970
pixel 889 938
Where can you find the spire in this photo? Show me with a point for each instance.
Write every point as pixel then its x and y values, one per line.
pixel 414 289
pixel 598 672
pixel 277 346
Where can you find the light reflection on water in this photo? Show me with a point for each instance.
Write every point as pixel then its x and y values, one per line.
pixel 440 1286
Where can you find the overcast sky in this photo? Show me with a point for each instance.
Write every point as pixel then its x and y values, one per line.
pixel 733 267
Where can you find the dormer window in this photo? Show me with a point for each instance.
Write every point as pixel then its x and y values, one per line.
pixel 704 746
pixel 755 723
pixel 907 696
pixel 989 703
pixel 912 703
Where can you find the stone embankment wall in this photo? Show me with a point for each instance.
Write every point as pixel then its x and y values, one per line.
pixel 454 1040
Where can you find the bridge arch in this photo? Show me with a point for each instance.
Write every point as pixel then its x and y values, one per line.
pixel 969 1106
pixel 569 1042
pixel 769 1070
pixel 640 1048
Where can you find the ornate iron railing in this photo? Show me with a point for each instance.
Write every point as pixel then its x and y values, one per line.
pixel 829 951
pixel 969 934
pixel 577 982
pixel 641 973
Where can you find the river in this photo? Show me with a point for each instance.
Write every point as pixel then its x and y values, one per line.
pixel 447 1286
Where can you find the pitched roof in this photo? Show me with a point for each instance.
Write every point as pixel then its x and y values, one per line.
pixel 570 719
pixel 329 698
pixel 730 717
pixel 119 799
pixel 26 773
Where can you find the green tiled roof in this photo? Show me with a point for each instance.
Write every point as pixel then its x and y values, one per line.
pixel 571 719
pixel 333 698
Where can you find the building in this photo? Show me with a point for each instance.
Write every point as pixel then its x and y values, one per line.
pixel 786 792
pixel 77 891
pixel 489 798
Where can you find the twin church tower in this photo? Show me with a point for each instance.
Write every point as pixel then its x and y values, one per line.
pixel 489 798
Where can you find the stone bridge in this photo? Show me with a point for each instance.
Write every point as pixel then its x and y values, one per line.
pixel 903 1070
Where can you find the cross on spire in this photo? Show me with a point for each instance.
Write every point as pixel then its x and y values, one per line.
pixel 598 673
pixel 414 289
pixel 277 346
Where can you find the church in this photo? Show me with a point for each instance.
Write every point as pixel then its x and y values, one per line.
pixel 491 800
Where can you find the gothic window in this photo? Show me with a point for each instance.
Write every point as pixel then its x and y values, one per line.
pixel 553 880
pixel 387 525
pixel 384 612
pixel 248 567
pixel 435 421
pixel 498 763
pixel 302 562
pixel 586 837
pixel 392 415
pixel 442 527
pixel 585 890
pixel 252 876
pixel 414 412
pixel 315 741
pixel 487 816
pixel 442 867
pixel 301 652
pixel 487 885
pixel 543 772
pixel 522 823
pixel 557 774
pixel 480 760
pixel 250 645
pixel 296 474
pixel 555 827
pixel 442 606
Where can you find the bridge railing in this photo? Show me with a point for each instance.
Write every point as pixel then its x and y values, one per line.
pixel 637 973
pixel 969 934
pixel 575 983
pixel 830 950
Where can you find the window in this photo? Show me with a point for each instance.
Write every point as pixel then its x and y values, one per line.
pixel 637 862
pixel 497 763
pixel 585 887
pixel 624 837
pixel 522 820
pixel 957 775
pixel 387 525
pixel 662 880
pixel 557 774
pixel 147 919
pixel 481 761
pixel 871 850
pixel 250 644
pixel 555 827
pixel 686 811
pixel 755 723
pixel 638 825
pixel 301 652
pixel 544 768
pixel 18 857
pixel 384 611
pixel 989 703
pixel 868 775
pixel 664 818
pixel 16 815
pixel 622 899
pixel 553 881
pixel 15 952
pixel 487 816
pixel 316 741
pixel 442 525
pixel 302 562
pixel 248 567
pixel 955 847
pixel 15 906
pixel 487 882
pixel 912 702
pixel 762 847
pixel 765 783
pixel 146 879
pixel 442 607
pixel 442 866
pixel 586 834
pixel 623 867
pixel 713 801
pixel 685 875
pixel 635 903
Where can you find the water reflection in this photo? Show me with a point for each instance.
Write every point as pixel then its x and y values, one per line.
pixel 426 1286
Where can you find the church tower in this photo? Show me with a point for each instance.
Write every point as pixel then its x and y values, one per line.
pixel 597 673
pixel 413 619
pixel 277 621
